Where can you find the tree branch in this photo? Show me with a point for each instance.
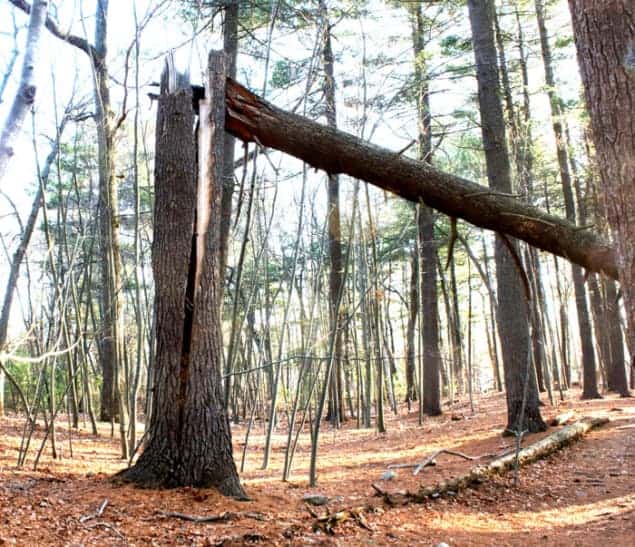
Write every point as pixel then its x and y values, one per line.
pixel 71 39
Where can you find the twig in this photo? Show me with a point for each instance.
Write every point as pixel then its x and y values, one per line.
pixel 96 514
pixel 433 457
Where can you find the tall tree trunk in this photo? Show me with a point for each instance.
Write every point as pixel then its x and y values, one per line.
pixel 336 280
pixel 590 390
pixel 431 403
pixel 25 96
pixel 605 36
pixel 413 305
pixel 513 326
pixel 189 440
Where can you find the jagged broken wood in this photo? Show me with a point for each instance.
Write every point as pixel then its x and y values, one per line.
pixel 563 418
pixel 480 473
pixel 252 119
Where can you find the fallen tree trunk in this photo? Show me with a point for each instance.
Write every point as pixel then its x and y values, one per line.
pixel 252 119
pixel 479 474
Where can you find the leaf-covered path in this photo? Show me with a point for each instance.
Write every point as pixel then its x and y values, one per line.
pixel 582 495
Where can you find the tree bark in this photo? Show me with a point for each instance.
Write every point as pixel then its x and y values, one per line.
pixel 189 440
pixel 604 35
pixel 523 411
pixel 252 119
pixel 25 95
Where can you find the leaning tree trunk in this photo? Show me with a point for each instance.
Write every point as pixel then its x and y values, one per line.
pixel 25 95
pixel 605 41
pixel 522 400
pixel 18 255
pixel 189 438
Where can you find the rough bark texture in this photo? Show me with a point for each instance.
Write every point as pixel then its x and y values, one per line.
pixel 431 403
pixel 189 441
pixel 250 118
pixel 605 40
pixel 512 318
pixel 25 95
pixel 590 389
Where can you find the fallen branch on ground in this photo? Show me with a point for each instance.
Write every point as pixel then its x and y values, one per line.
pixel 480 473
pixel 108 527
pixel 431 460
pixel 562 419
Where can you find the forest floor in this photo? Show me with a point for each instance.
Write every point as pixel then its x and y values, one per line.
pixel 581 495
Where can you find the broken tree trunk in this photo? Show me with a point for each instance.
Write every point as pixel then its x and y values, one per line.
pixel 189 438
pixel 479 474
pixel 252 119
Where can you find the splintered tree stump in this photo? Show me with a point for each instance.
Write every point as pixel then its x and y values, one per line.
pixel 189 438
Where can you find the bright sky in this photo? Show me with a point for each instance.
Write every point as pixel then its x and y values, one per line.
pixel 64 70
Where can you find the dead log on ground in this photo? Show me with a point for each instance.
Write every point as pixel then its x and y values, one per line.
pixel 480 473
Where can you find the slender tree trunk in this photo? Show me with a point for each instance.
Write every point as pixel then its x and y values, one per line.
pixel 230 46
pixel 428 247
pixel 590 390
pixel 513 325
pixel 413 305
pixel 335 411
pixel 18 255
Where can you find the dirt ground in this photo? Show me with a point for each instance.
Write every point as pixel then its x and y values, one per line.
pixel 582 495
